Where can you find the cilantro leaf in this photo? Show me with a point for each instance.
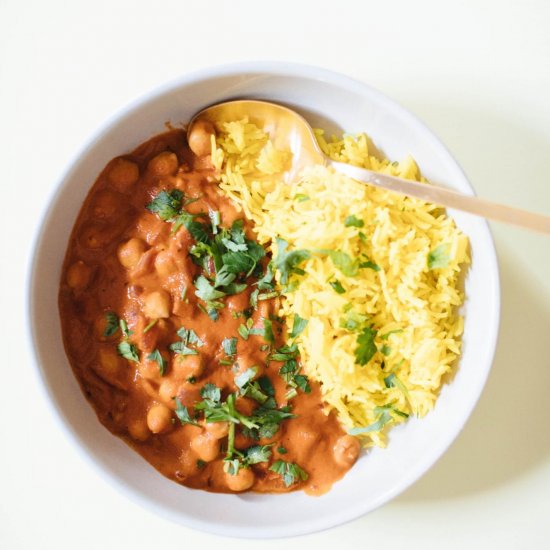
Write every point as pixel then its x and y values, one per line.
pixel 111 324
pixel 440 256
pixel 298 326
pixel 289 471
pixel 353 221
pixel 287 262
pixel 234 247
pixel 337 286
pixel 128 351
pixel 393 381
pixel 257 454
pixel 366 347
pixel 215 220
pixel 300 197
pixel 385 350
pixel 166 204
pixel 342 261
pixel 183 414
pixel 205 291
pixel 124 329
pixel 211 392
pixel 353 321
pixel 159 359
pixel 267 334
pixel 229 345
pixel 383 419
pixel 368 264
pixel 245 377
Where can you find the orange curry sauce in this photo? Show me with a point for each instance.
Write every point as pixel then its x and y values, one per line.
pixel 125 263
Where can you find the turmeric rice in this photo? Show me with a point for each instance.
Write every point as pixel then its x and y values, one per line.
pixel 375 275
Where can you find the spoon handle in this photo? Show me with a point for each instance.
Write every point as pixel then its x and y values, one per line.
pixel 448 198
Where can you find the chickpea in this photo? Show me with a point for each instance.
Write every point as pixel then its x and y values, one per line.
pixel 156 305
pixel 217 430
pixel 111 362
pixel 168 389
pixel 139 430
pixel 199 138
pixel 79 275
pixel 123 174
pixel 164 164
pixel 159 418
pixel 346 450
pixel 165 264
pixel 240 482
pixel 130 252
pixel 206 447
pixel 187 366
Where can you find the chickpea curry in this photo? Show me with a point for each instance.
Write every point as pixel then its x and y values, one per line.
pixel 169 311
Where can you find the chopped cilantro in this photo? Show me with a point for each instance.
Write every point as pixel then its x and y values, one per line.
pixel 128 351
pixel 183 414
pixel 383 418
pixel 111 324
pixel 385 350
pixel 229 346
pixel 440 256
pixel 287 262
pixel 353 320
pixel 298 326
pixel 366 347
pixel 268 335
pixel 150 326
pixel 342 261
pixel 215 219
pixel 300 197
pixel 368 264
pixel 247 376
pixel 353 221
pixel 166 204
pixel 337 286
pixel 290 472
pixel 159 359
pixel 124 328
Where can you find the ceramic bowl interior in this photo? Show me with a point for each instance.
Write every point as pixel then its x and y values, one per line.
pixel 334 102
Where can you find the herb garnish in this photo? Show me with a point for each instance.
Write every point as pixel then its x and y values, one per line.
pixel 298 326
pixel 159 359
pixel 188 338
pixel 289 471
pixel 337 286
pixel 366 348
pixel 440 256
pixel 290 371
pixel 128 351
pixel 111 324
pixel 353 221
pixel 287 262
pixel 384 416
pixel 183 414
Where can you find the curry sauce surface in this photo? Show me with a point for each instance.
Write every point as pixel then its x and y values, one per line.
pixel 123 259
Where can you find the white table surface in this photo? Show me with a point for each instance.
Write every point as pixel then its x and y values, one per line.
pixel 478 73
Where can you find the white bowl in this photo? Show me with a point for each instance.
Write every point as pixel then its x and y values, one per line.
pixel 332 101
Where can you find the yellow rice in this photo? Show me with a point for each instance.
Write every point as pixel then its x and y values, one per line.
pixel 405 295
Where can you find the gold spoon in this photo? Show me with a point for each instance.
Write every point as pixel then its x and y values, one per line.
pixel 288 130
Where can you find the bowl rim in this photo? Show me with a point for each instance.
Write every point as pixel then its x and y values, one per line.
pixel 271 68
